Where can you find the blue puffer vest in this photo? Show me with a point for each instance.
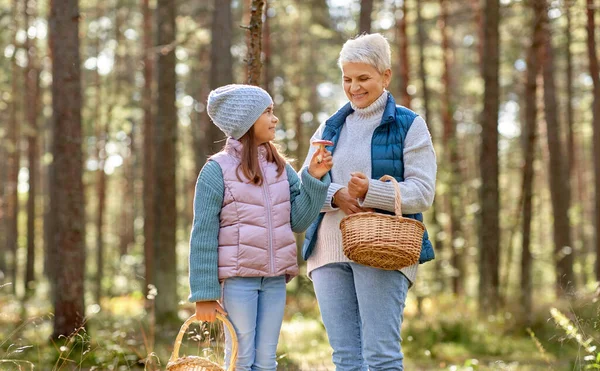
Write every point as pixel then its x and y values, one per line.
pixel 387 148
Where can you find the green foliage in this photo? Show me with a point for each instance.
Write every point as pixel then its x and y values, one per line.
pixel 446 335
pixel 591 359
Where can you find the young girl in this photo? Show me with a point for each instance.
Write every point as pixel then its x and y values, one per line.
pixel 248 203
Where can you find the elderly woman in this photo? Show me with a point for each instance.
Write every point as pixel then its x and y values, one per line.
pixel 362 307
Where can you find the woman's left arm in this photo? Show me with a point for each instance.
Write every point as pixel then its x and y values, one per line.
pixel 420 168
pixel 306 197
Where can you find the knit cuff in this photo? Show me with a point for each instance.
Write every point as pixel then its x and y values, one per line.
pixel 411 273
pixel 381 195
pixel 313 184
pixel 333 188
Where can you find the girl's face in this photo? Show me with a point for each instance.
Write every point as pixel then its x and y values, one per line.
pixel 363 84
pixel 264 127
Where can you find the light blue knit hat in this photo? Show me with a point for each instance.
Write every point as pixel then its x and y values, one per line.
pixel 235 108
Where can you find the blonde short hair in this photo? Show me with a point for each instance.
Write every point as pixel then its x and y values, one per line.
pixel 372 49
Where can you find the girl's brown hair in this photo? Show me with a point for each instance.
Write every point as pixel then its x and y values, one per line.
pixel 249 161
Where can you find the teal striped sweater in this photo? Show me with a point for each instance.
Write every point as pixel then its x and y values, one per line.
pixel 306 197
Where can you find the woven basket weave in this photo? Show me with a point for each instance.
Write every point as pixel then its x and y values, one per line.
pixel 383 241
pixel 195 363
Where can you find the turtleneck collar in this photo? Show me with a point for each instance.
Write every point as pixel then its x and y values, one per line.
pixel 374 109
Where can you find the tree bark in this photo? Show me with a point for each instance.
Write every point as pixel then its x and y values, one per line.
pixel 558 176
pixel 67 207
pixel 148 148
pixel 165 208
pixel 126 219
pixel 33 153
pixel 403 42
pixel 422 41
pixel 476 9
pixel 255 46
pixel 3 245
pixel 364 23
pixel 221 64
pixel 489 229
pixel 452 158
pixel 573 168
pixel 13 160
pixel 266 45
pixel 529 147
pixel 594 71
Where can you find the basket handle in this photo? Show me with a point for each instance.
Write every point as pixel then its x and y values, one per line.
pixel 227 324
pixel 398 199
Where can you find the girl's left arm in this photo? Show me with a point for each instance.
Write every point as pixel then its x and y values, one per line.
pixel 307 196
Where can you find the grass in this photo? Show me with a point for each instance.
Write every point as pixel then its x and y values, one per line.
pixel 446 336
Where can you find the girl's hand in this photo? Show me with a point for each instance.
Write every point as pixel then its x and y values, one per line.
pixel 358 185
pixel 320 163
pixel 206 311
pixel 348 204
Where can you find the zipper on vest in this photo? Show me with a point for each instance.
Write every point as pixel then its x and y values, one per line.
pixel 265 186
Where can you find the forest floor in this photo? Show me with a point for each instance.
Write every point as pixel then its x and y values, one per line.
pixel 444 335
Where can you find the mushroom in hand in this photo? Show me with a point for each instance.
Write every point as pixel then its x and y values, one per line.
pixel 321 144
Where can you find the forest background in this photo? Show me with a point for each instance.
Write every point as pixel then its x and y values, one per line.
pixel 103 130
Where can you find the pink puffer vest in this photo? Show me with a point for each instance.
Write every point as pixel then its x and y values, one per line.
pixel 255 236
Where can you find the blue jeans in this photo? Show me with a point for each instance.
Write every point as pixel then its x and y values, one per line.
pixel 255 307
pixel 362 310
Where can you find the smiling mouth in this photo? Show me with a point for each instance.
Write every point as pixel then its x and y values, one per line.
pixel 358 96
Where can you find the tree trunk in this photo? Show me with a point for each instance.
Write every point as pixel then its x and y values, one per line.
pixel 364 23
pixel 594 71
pixel 558 176
pixel 33 152
pixel 13 159
pixel 578 238
pixel 266 46
pixel 489 229
pixel 3 245
pixel 148 148
pixel 422 41
pixel 401 34
pixel 101 134
pixel 221 64
pixel 67 209
pixel 255 45
pixel 453 160
pixel 126 237
pixel 529 147
pixel 165 134
pixel 476 9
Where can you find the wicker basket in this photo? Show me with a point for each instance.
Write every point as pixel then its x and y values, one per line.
pixel 195 363
pixel 383 241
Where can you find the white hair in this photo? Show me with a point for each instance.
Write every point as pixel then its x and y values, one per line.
pixel 372 49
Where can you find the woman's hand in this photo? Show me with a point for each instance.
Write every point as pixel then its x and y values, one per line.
pixel 358 185
pixel 320 163
pixel 206 311
pixel 348 204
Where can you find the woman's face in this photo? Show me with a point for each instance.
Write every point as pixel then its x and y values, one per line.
pixel 363 84
pixel 264 127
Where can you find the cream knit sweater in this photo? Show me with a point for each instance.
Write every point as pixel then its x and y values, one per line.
pixel 353 153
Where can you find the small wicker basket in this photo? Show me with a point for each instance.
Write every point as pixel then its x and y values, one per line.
pixel 196 363
pixel 383 241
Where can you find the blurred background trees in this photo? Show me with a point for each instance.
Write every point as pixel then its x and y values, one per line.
pixel 103 130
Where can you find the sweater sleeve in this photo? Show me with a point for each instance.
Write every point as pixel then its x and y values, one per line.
pixel 420 168
pixel 333 187
pixel 204 239
pixel 307 195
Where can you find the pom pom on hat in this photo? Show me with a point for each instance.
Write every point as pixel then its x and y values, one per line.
pixel 235 108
